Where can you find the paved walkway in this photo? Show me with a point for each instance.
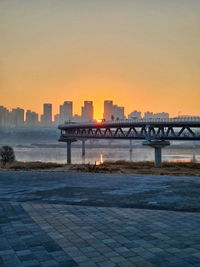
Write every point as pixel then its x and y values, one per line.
pixel 109 190
pixel 37 228
pixel 121 237
pixel 24 243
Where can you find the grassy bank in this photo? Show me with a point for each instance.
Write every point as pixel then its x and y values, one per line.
pixel 126 167
pixel 30 166
pixel 144 167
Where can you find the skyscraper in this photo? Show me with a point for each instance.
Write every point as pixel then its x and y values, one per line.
pixel 46 117
pixel 4 116
pixel 108 109
pixel 87 111
pixel 17 117
pixel 66 111
pixel 31 118
pixel 113 112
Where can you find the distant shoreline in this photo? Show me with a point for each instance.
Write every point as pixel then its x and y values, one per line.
pixel 88 145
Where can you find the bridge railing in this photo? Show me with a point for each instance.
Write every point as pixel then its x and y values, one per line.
pixel 184 119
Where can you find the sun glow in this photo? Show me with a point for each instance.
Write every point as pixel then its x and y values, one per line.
pixel 101 160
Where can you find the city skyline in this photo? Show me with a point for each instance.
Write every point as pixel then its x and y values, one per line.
pixel 19 117
pixel 139 53
pixel 57 110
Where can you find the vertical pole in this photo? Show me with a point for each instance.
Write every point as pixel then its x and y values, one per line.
pixel 158 157
pixel 131 149
pixel 194 155
pixel 68 152
pixel 83 148
pixel 130 145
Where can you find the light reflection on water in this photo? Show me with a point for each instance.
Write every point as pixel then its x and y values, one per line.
pixel 94 154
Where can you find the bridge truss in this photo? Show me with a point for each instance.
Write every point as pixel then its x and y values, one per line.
pixel 148 131
pixel 155 133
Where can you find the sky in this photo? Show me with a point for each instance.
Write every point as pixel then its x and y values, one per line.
pixel 142 54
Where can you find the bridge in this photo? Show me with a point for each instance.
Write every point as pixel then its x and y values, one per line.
pixel 156 133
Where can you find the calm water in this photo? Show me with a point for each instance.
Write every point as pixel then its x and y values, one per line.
pixel 94 154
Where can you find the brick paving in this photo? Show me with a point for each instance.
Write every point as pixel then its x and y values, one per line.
pixel 99 236
pixel 114 190
pixel 39 227
pixel 24 243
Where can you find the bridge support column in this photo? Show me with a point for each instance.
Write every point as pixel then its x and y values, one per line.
pixel 69 152
pixel 157 145
pixel 130 145
pixel 83 148
pixel 158 156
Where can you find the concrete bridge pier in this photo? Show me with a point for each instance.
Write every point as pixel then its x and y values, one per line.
pixel 69 150
pixel 83 148
pixel 83 152
pixel 157 145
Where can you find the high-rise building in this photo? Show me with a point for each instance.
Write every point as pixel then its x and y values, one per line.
pixel 108 110
pixel 113 112
pixel 4 117
pixel 46 117
pixel 31 118
pixel 17 117
pixel 87 111
pixel 66 111
pixel 135 115
pixel 57 119
pixel 118 112
pixel 77 118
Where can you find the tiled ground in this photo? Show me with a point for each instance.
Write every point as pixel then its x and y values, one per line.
pixel 109 190
pixel 24 243
pixel 121 237
pixel 36 231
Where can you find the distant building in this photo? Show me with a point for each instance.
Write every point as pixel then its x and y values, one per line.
pixel 66 111
pixel 4 117
pixel 112 112
pixel 46 117
pixel 162 115
pixel 57 119
pixel 87 111
pixel 108 110
pixel 148 115
pixel 77 118
pixel 135 115
pixel 31 118
pixel 118 112
pixel 17 117
pixel 151 115
pixel 188 117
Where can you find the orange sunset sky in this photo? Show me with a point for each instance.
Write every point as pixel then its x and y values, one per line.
pixel 143 54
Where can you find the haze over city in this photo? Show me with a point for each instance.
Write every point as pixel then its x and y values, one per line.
pixel 142 54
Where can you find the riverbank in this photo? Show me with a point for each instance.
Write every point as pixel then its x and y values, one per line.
pixel 124 167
